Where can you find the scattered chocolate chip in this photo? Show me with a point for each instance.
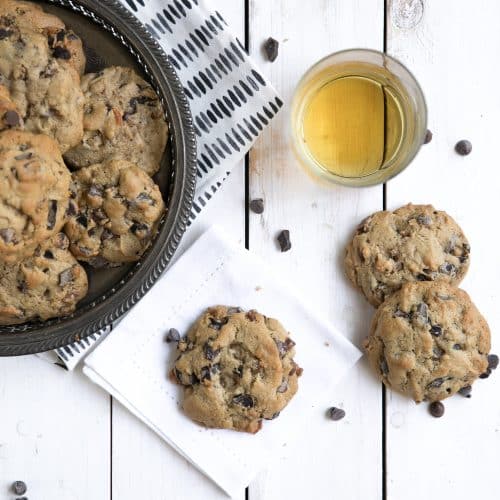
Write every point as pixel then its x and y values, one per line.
pixel 95 190
pixel 284 240
pixel 52 214
pixel 257 206
pixel 217 324
pixel 486 374
pixel 428 137
pixel 99 216
pixel 210 354
pixel 437 351
pixel 7 234
pixel 205 373
pixel 173 335
pixel 61 241
pixel 425 220
pixel 436 409
pixel 283 387
pixel 238 371
pixel 22 286
pixel 19 487
pixel 48 254
pixel 244 400
pixel 284 347
pixel 66 276
pixel 401 314
pixel 457 347
pixel 384 367
pixel 463 147
pixel 82 220
pixel 194 379
pixel 436 330
pixel 465 391
pixel 436 383
pixel 5 33
pixel 11 118
pixel 492 361
pixel 335 414
pixel 271 48
pixel 234 310
pixel 61 53
pixel 251 315
pixel 71 210
pixel 144 197
pixel 139 229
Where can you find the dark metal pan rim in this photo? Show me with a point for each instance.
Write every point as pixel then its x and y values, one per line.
pixel 113 17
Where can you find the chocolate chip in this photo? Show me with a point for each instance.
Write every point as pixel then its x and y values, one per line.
pixel 284 240
pixel 11 118
pixel 335 414
pixel 173 335
pixel 401 314
pixel 19 487
pixel 178 376
pixel 436 330
pixel 425 220
pixel 60 35
pixel 238 371
pixel 436 409
pixel 273 416
pixel 71 210
pixel 144 197
pixel 48 254
pixel 492 361
pixel 437 351
pixel 283 387
pixel 52 215
pixel 465 391
pixel 106 234
pixel 99 216
pixel 423 277
pixel 436 383
pixel 457 347
pixel 82 220
pixel 61 53
pixel 284 347
pixel 448 268
pixel 244 400
pixel 210 354
pixel 234 310
pixel 251 315
pixel 66 277
pixel 7 234
pixel 194 379
pixel 5 33
pixel 215 368
pixel 138 227
pixel 217 324
pixel 463 147
pixel 271 48
pixel 23 287
pixel 205 373
pixel 384 367
pixel 486 374
pixel 61 241
pixel 95 190
pixel 257 206
pixel 428 137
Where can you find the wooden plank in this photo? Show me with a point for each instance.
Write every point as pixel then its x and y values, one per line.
pixel 453 52
pixel 54 431
pixel 143 465
pixel 333 460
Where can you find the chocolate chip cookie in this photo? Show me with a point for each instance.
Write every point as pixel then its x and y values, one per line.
pixel 237 369
pixel 34 192
pixel 45 285
pixel 123 119
pixel 428 341
pixel 45 91
pixel 413 243
pixel 114 212
pixel 64 44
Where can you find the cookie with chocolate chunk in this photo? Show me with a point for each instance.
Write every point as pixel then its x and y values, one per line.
pixel 45 91
pixel 123 119
pixel 428 341
pixel 9 114
pixel 413 243
pixel 64 44
pixel 114 213
pixel 34 192
pixel 237 369
pixel 45 285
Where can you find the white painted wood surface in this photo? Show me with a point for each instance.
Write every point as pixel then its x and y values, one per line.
pixel 68 441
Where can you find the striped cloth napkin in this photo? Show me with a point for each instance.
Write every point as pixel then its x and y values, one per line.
pixel 231 102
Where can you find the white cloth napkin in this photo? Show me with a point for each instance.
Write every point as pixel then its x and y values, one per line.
pixel 132 363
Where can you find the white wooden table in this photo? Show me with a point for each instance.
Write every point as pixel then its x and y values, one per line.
pixel 70 441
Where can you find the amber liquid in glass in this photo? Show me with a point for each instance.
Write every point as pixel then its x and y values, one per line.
pixel 353 125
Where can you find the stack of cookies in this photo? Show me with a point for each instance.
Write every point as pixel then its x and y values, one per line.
pixel 77 152
pixel 427 339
